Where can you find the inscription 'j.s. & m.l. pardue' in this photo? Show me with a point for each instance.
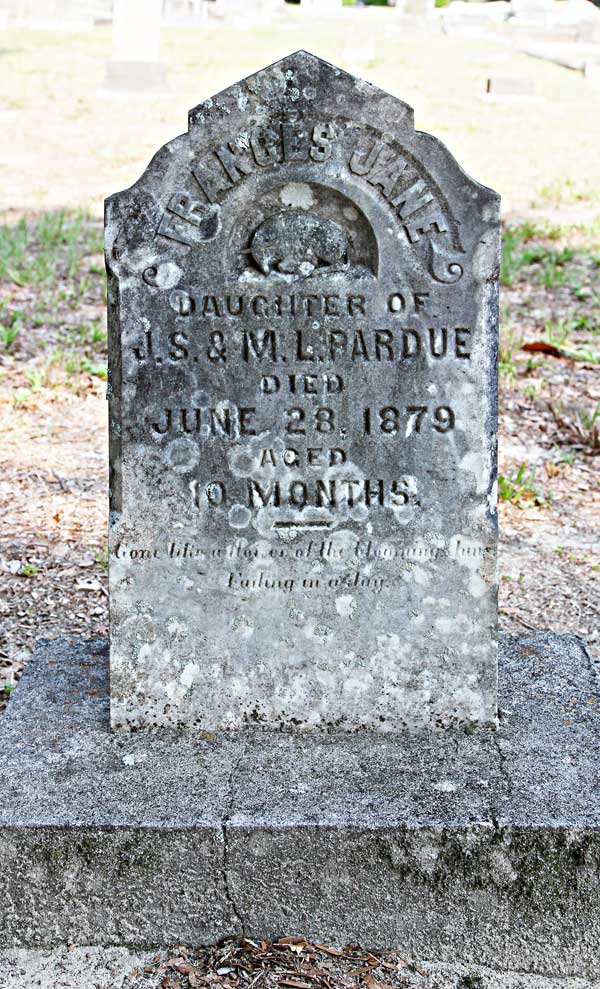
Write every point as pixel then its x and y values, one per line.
pixel 303 339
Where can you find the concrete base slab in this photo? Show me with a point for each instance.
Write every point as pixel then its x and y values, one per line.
pixel 74 968
pixel 478 848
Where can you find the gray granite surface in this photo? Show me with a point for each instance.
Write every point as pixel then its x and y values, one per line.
pixel 473 846
pixel 303 345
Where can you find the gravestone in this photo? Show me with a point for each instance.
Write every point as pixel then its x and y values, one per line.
pixel 509 87
pixel 303 333
pixel 185 11
pixel 135 65
pixel 241 13
pixel 422 10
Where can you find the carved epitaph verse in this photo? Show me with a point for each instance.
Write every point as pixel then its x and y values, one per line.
pixel 303 340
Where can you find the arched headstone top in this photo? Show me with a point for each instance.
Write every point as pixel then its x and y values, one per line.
pixel 302 115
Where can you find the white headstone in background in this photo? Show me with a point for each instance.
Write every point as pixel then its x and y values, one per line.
pixel 241 12
pixel 135 64
pixel 421 9
pixel 323 8
pixel 179 12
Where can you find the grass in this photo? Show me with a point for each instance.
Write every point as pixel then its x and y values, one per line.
pixel 566 192
pixel 578 426
pixel 9 333
pixel 558 332
pixel 512 256
pixel 52 285
pixel 519 488
pixel 101 557
pixel 96 370
pixel 510 342
pixel 39 250
pixel 12 322
pixel 29 570
pixel 522 248
pixel 586 324
pixel 553 271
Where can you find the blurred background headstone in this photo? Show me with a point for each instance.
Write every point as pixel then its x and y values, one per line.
pixel 421 9
pixel 322 8
pixel 509 87
pixel 180 12
pixel 55 15
pixel 244 12
pixel 135 66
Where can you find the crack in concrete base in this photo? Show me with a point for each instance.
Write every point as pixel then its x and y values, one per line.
pixel 227 886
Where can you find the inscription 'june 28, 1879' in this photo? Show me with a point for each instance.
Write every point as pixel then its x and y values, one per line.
pixel 303 336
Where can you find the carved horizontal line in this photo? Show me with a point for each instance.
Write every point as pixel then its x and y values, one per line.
pixel 308 524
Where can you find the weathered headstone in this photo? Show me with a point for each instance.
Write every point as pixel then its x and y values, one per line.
pixel 303 334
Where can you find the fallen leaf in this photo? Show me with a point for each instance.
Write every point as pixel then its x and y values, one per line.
pixel 541 347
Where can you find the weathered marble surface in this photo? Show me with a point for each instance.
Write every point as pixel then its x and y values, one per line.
pixel 303 338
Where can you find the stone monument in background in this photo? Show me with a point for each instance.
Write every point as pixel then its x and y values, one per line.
pixel 416 11
pixel 303 339
pixel 135 65
pixel 321 8
pixel 243 12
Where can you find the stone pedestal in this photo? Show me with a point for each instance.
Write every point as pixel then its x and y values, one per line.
pixel 135 66
pixel 464 847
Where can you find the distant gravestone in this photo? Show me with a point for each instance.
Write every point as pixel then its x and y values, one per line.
pixel 184 11
pixel 322 8
pixel 242 12
pixel 417 9
pixel 135 65
pixel 509 86
pixel 303 334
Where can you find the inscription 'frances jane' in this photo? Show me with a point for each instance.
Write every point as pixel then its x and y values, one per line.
pixel 303 336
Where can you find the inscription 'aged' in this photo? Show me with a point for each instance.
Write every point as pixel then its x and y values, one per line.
pixel 303 339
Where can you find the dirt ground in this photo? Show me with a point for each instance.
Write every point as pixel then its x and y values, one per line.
pixel 239 963
pixel 69 148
